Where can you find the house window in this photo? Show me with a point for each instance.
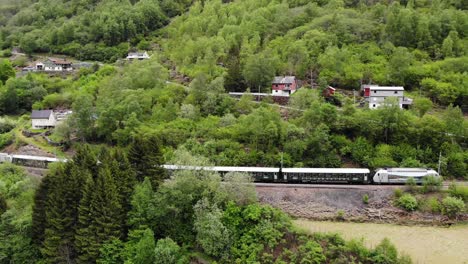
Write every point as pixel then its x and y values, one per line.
pixel 373 105
pixel 395 92
pixel 375 91
pixel 276 86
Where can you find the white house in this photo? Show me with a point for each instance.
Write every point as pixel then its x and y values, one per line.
pixel 375 95
pixel 43 119
pixel 54 65
pixel 138 56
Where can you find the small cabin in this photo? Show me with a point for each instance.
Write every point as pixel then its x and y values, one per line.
pixel 329 91
pixel 137 56
pixel 54 65
pixel 283 85
pixel 43 119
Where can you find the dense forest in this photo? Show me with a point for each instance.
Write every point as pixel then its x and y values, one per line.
pixel 112 203
pixel 238 45
pixel 102 207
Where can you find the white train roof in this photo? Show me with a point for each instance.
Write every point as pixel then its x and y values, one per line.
pixel 221 168
pixel 28 157
pixel 325 170
pixel 268 169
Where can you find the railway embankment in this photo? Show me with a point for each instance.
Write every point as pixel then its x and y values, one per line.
pixel 362 203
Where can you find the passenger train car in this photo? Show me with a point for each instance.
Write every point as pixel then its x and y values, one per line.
pixel 279 175
pixel 321 175
pixel 28 161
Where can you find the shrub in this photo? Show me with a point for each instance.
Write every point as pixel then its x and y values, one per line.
pixel 432 184
pixel 167 252
pixel 452 206
pixel 459 191
pixel 411 183
pixel 397 193
pixel 385 252
pixel 434 205
pixel 340 215
pixel 407 202
pixel 365 199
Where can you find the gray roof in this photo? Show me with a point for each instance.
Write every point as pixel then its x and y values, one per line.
pixel 284 79
pixel 41 114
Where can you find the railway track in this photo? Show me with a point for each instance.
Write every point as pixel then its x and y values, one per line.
pixel 445 186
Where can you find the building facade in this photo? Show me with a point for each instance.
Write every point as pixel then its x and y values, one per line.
pixel 43 119
pixel 283 85
pixel 54 65
pixel 138 56
pixel 375 95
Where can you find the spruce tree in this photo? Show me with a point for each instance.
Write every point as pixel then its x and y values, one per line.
pixel 146 159
pixel 56 246
pixel 83 242
pixel 99 219
pixel 85 158
pixel 39 220
pixel 125 179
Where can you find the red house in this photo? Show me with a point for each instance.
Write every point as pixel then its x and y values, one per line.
pixel 329 91
pixel 283 85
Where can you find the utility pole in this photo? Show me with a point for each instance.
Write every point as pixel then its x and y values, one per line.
pixel 440 157
pixel 281 159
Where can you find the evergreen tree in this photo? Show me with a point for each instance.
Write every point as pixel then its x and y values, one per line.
pixel 144 249
pixel 57 244
pixel 39 220
pixel 146 159
pixel 125 180
pixel 83 231
pixel 99 215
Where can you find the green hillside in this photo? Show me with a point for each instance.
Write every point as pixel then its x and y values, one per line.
pixel 113 203
pixel 218 47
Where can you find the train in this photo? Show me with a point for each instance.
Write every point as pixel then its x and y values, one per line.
pixel 276 175
pixel 28 160
pixel 321 175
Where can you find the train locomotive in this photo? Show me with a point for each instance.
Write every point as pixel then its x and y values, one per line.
pixel 277 175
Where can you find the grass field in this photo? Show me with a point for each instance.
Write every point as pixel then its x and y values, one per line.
pixel 425 244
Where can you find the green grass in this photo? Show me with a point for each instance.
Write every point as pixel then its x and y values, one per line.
pixel 40 143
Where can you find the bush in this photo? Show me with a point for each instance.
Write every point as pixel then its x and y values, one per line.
pixel 434 205
pixel 459 191
pixel 397 193
pixel 340 215
pixel 365 199
pixel 385 252
pixel 432 184
pixel 407 202
pixel 452 206
pixel 411 183
pixel 167 252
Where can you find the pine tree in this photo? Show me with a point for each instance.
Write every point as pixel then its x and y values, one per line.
pixel 85 159
pixel 99 212
pixel 146 159
pixel 56 246
pixel 125 180
pixel 85 216
pixel 39 220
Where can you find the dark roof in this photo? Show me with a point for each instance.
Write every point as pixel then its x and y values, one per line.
pixel 59 61
pixel 284 79
pixel 41 114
